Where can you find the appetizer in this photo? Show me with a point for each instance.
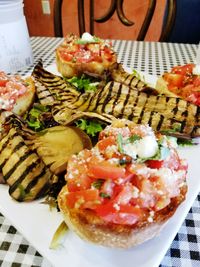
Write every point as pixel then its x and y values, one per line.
pixel 87 54
pixel 16 94
pixel 122 191
pixel 183 82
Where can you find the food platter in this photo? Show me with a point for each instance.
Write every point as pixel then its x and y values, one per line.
pixel 37 224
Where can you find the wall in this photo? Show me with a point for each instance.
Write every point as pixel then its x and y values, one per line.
pixel 42 25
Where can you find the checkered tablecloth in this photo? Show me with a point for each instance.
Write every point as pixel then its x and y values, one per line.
pixel 153 58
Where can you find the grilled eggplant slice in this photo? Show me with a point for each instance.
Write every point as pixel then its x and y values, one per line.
pixel 117 100
pixel 23 170
pixel 55 145
pixel 133 80
pixel 29 161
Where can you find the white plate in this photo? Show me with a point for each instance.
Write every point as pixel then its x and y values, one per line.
pixel 37 223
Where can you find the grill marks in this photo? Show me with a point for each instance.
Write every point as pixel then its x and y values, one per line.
pixel 122 101
pixel 22 169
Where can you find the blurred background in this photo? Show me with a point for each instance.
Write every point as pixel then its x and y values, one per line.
pixel 39 16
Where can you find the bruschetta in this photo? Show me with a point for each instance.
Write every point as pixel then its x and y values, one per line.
pixel 16 94
pixel 122 191
pixel 87 54
pixel 181 81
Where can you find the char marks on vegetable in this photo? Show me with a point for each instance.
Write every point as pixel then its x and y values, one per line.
pixel 118 100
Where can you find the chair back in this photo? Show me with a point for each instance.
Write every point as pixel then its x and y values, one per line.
pixel 115 6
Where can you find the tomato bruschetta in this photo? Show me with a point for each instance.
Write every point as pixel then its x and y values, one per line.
pixel 87 54
pixel 181 81
pixel 16 94
pixel 122 191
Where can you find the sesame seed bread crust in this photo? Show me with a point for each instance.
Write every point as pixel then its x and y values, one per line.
pixel 88 226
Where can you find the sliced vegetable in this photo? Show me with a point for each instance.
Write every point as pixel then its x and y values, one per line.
pixel 56 144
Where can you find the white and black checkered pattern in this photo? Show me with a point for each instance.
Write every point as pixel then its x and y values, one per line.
pixel 153 58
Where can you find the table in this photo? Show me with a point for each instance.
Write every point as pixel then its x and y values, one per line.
pixel 153 58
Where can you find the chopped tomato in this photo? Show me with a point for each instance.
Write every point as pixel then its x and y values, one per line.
pixel 183 70
pixel 82 182
pixel 105 170
pixel 104 143
pixel 3 83
pixel 66 56
pixel 154 164
pixel 196 81
pixel 83 199
pixel 119 214
pixel 174 79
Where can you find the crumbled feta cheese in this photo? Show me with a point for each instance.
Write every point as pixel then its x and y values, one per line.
pixel 135 192
pixel 116 206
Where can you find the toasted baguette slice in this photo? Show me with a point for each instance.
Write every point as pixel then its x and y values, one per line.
pixel 24 102
pixel 88 226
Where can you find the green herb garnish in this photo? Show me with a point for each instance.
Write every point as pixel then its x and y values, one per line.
pixel 83 42
pixel 98 183
pixel 136 74
pixel 134 138
pixel 83 83
pixel 91 127
pixel 33 117
pixel 186 142
pixel 104 195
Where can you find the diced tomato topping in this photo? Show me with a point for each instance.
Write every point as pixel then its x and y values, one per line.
pixel 182 82
pixel 105 170
pixel 174 79
pixel 104 143
pixel 119 214
pixel 66 56
pixel 83 199
pixel 82 182
pixel 154 164
pixel 183 70
pixel 3 83
pixel 196 82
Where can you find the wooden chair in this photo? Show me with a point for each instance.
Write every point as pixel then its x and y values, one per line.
pixel 116 5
